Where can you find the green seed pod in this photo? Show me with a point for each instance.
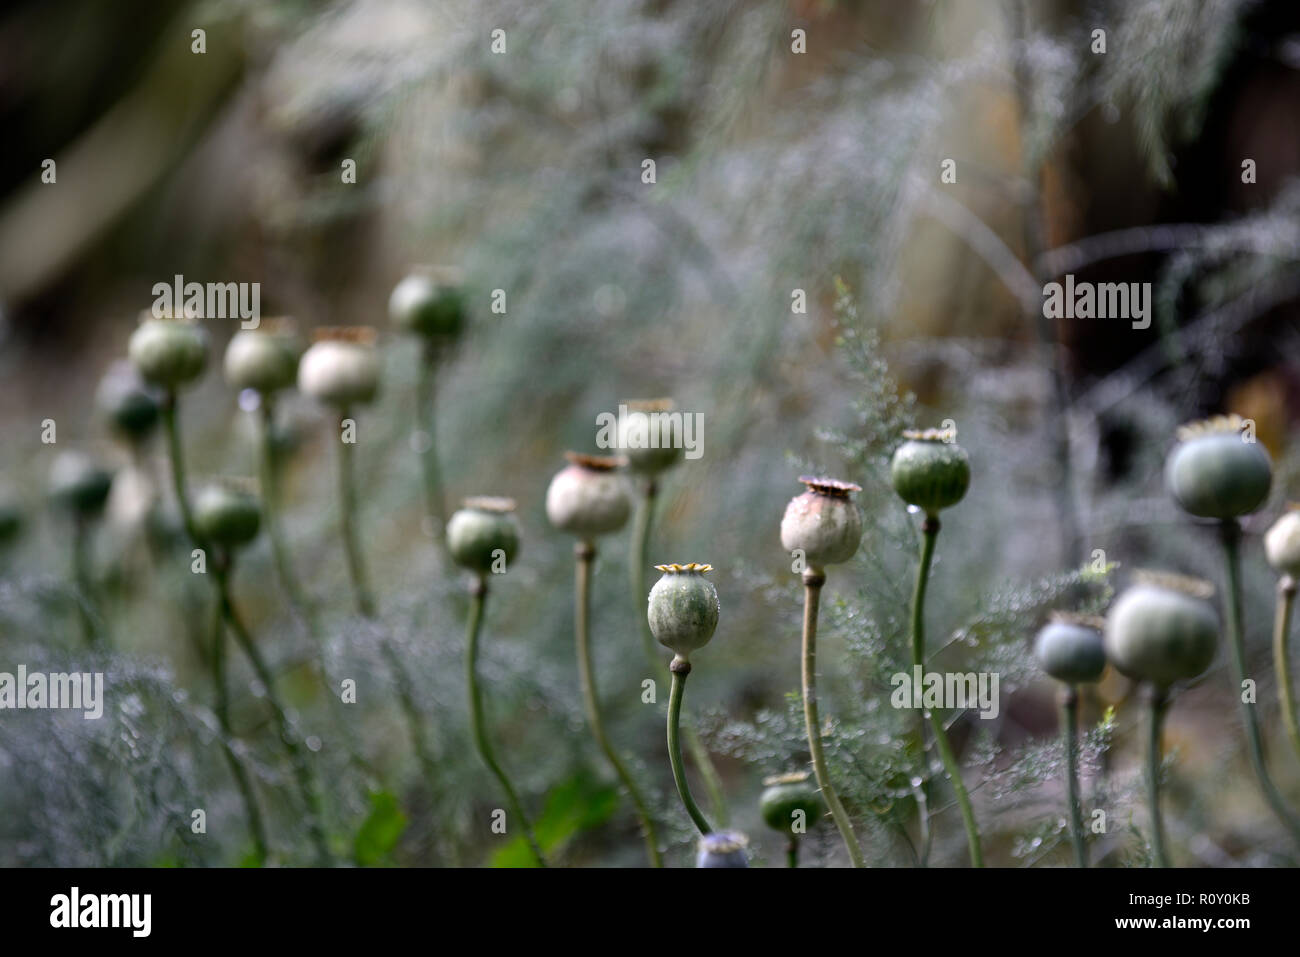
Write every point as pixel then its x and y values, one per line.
pixel 482 531
pixel 588 497
pixel 683 608
pixel 1162 629
pixel 227 513
pixel 1216 472
pixel 930 470
pixel 429 302
pixel 1070 648
pixel 1282 544
pixel 823 522
pixel 646 437
pixel 130 405
pixel 787 794
pixel 78 484
pixel 264 359
pixel 169 353
pixel 341 368
pixel 722 849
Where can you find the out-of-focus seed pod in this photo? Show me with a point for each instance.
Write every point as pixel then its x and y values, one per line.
pixel 648 437
pixel 930 470
pixel 823 522
pixel 168 353
pixel 722 849
pixel 430 302
pixel 1070 648
pixel 129 404
pixel 1282 544
pixel 683 610
pixel 788 798
pixel 483 531
pixel 1162 629
pixel 340 368
pixel 1217 470
pixel 588 497
pixel 264 359
pixel 78 484
pixel 227 513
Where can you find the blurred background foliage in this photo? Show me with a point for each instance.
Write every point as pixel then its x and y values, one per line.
pixel 775 171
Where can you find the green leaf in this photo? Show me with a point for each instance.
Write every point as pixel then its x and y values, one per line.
pixel 380 831
pixel 575 805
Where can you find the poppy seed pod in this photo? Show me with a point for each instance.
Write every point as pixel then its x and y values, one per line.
pixel 78 484
pixel 646 437
pixel 787 794
pixel 481 529
pixel 227 513
pixel 1216 471
pixel 130 405
pixel 823 522
pixel 1282 544
pixel 1070 648
pixel 168 352
pixel 429 302
pixel 264 359
pixel 588 497
pixel 683 608
pixel 1162 629
pixel 930 470
pixel 340 368
pixel 722 849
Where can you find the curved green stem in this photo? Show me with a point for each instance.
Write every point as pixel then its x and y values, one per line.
pixel 1158 706
pixel 1230 533
pixel 256 829
pixel 638 562
pixel 813 579
pixel 680 669
pixel 585 553
pixel 302 770
pixel 351 543
pixel 951 767
pixel 1070 735
pixel 177 457
pixel 1286 589
pixel 426 422
pixel 478 726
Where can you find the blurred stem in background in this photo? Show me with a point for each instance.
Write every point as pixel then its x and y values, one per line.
pixel 81 579
pixel 585 555
pixel 1070 739
pixel 348 503
pixel 427 445
pixel 638 562
pixel 813 579
pixel 478 725
pixel 1230 536
pixel 1286 588
pixel 929 535
pixel 1158 706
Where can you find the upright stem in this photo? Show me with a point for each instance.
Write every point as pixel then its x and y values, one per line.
pixel 1158 705
pixel 177 457
pixel 302 771
pixel 585 553
pixel 1286 589
pixel 426 421
pixel 478 726
pixel 813 579
pixel 271 512
pixel 81 577
pixel 951 767
pixel 1070 735
pixel 1230 533
pixel 351 544
pixel 256 829
pixel 638 562
pixel 792 851
pixel 680 668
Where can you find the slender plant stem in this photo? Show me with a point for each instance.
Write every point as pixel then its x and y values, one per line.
pixel 792 852
pixel 1158 707
pixel 1286 589
pixel 177 456
pixel 680 668
pixel 585 552
pixel 302 770
pixel 426 422
pixel 951 767
pixel 81 577
pixel 478 726
pixel 638 562
pixel 1230 533
pixel 1070 736
pixel 351 542
pixel 256 829
pixel 813 579
pixel 271 512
